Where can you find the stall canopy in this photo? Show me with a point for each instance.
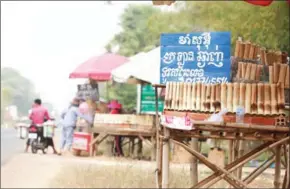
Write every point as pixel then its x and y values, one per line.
pixel 99 67
pixel 144 67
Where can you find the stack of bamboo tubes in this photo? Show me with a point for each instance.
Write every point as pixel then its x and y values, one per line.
pixel 250 51
pixel 256 98
pixel 279 73
pixel 249 71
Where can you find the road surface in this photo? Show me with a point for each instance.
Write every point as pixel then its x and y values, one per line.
pixel 10 144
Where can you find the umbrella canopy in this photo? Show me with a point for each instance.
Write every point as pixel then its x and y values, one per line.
pixel 144 67
pixel 99 67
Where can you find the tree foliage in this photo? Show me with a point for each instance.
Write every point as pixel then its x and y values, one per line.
pixel 16 90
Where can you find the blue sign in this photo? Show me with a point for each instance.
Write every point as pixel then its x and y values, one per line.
pixel 195 57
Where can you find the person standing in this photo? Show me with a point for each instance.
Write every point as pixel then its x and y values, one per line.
pixel 69 120
pixel 115 108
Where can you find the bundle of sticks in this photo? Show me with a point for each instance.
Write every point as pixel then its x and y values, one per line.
pixel 249 71
pixel 279 73
pixel 250 51
pixel 256 98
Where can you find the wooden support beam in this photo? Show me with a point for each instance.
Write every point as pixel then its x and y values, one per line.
pixel 265 165
pixel 159 144
pixel 165 158
pixel 140 149
pixel 277 181
pixel 194 162
pixel 228 177
pixel 239 162
pixel 153 149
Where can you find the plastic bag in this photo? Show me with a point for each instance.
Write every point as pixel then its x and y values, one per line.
pixel 218 117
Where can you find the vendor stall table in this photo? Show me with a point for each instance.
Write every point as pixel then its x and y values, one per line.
pixel 256 128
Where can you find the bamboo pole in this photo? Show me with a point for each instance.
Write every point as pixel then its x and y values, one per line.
pixel 252 51
pixel 248 71
pixel 194 162
pixel 274 99
pixel 158 153
pixel 253 71
pixel 247 50
pixel 276 72
pixel 166 100
pixel 165 161
pixel 254 99
pixel 180 96
pixel 282 73
pixel 244 67
pixel 287 79
pixel 242 50
pixel 258 72
pixel 203 97
pixel 237 48
pixel 277 182
pixel 267 99
pixel 173 102
pixel 236 92
pixel 189 97
pixel 207 98
pixel 242 94
pixel 271 74
pixel 260 98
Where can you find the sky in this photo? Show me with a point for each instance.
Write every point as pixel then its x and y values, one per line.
pixel 46 40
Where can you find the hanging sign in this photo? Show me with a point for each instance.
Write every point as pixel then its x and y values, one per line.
pixel 195 57
pixel 148 100
pixel 86 91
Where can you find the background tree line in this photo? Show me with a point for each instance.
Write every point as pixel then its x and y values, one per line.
pixel 142 25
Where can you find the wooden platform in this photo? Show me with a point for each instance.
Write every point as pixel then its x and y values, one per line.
pixel 124 130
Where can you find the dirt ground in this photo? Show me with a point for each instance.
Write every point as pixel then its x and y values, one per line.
pixel 44 171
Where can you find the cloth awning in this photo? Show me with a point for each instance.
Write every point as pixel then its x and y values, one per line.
pixel 123 73
pixel 144 67
pixel 99 67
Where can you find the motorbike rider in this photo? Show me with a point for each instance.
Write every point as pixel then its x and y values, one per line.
pixel 38 115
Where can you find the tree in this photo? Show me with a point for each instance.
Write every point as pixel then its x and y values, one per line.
pixel 16 90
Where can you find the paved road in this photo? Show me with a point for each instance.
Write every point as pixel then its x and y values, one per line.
pixel 10 144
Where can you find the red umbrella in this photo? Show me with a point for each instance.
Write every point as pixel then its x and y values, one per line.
pixel 99 67
pixel 260 2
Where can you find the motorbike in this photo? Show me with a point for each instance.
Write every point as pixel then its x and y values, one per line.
pixel 37 139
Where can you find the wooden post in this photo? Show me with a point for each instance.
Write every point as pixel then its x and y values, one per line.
pixel 241 153
pixel 153 149
pixel 132 149
pixel 165 159
pixel 230 151
pixel 158 149
pixel 194 162
pixel 140 147
pixel 277 167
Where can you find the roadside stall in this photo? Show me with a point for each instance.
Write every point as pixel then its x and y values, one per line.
pixel 97 69
pixel 207 96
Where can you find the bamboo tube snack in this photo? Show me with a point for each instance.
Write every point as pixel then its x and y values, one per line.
pixel 248 71
pixel 260 98
pixel 242 95
pixel 244 67
pixel 189 96
pixel 278 57
pixel 252 51
pixel 217 103
pixel 281 98
pixel 193 99
pixel 207 100
pixel 276 72
pixel 247 50
pixel 254 107
pixel 237 48
pixel 271 74
pixel 248 98
pixel 229 97
pixel 239 72
pixel 236 92
pixel 274 109
pixel 287 83
pixel 184 94
pixel 203 97
pixel 212 98
pixel 180 96
pixel 253 71
pixel 241 50
pixel 267 99
pixel 263 56
pixel 256 51
pixel 282 73
pixel 198 96
pixel 258 72
pixel 169 95
pixel 223 95
pixel 284 57
pixel 174 95
pixel 166 95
